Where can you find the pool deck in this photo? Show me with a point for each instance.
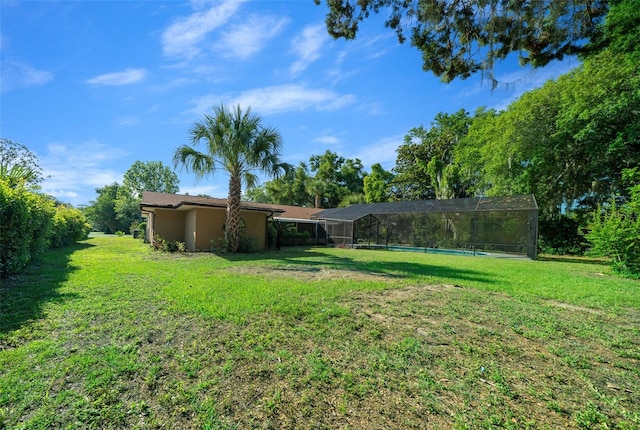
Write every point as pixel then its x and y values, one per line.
pixel 442 251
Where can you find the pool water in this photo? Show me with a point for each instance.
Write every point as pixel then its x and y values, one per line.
pixel 434 250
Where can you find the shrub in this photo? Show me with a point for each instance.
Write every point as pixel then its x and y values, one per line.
pixel 163 245
pixel 561 236
pixel 295 238
pixel 283 234
pixel 247 245
pixel 25 223
pixel 615 232
pixel 143 228
pixel 69 226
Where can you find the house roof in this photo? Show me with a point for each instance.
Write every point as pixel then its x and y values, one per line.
pixel 152 200
pixel 177 201
pixel 474 204
pixel 298 213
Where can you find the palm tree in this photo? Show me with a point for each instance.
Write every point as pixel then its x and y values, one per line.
pixel 18 165
pixel 237 142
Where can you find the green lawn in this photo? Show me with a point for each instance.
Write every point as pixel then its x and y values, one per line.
pixel 109 334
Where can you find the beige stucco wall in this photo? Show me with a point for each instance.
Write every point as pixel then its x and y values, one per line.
pixel 198 227
pixel 256 227
pixel 209 227
pixel 190 230
pixel 148 235
pixel 169 224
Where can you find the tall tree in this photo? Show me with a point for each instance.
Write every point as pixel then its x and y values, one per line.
pixel 619 33
pixel 325 187
pixel 566 142
pixel 468 152
pixel 257 194
pixel 101 212
pixel 148 176
pixel 428 154
pixel 351 175
pixel 19 165
pixel 459 38
pixel 335 179
pixel 377 185
pixel 237 142
pixel 410 180
pixel 290 189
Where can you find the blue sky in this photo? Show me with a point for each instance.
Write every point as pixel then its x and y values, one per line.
pixel 93 86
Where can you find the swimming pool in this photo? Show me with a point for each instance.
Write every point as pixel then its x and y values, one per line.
pixel 425 250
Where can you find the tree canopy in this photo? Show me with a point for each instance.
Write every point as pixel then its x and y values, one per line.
pixel 427 156
pixel 377 185
pixel 150 176
pixel 328 181
pixel 459 38
pixel 18 164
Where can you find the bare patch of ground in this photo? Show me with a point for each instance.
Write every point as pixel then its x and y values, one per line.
pixel 306 273
pixel 574 307
pixel 421 356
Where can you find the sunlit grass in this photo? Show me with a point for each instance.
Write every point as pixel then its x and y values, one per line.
pixel 113 335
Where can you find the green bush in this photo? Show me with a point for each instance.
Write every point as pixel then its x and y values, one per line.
pixel 247 245
pixel 295 238
pixel 615 233
pixel 69 226
pixel 25 222
pixel 163 245
pixel 143 228
pixel 285 234
pixel 561 236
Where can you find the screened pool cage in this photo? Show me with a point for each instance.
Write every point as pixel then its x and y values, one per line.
pixel 505 226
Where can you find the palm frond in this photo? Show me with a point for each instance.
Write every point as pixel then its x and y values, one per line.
pixel 194 161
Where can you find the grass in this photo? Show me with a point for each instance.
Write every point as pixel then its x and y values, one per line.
pixel 109 334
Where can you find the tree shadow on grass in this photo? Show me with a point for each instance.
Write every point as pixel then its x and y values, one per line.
pixel 22 297
pixel 572 259
pixel 309 259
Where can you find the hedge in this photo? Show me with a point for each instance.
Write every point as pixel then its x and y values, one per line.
pixel 25 224
pixel 30 223
pixel 69 226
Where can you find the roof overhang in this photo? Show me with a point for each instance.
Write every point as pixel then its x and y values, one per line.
pixel 185 206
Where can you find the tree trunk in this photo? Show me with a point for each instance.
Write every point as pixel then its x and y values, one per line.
pixel 232 232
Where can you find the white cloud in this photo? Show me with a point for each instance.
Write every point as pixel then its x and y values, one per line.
pixel 126 77
pixel 15 75
pixel 327 140
pixel 185 34
pixel 277 99
pixel 382 151
pixel 307 46
pixel 73 171
pixel 244 40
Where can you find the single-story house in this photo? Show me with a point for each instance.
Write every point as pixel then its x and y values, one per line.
pixel 199 221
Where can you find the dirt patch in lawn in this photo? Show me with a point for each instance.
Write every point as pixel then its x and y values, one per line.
pixel 574 307
pixel 421 356
pixel 306 273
